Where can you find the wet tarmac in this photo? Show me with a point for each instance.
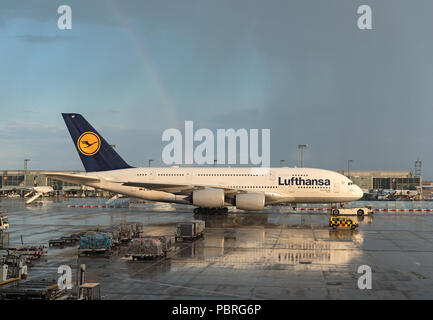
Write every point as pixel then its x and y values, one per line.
pixel 275 254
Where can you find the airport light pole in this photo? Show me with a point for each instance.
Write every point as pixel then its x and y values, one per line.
pixel 348 167
pixel 26 161
pixel 302 147
pixel 150 160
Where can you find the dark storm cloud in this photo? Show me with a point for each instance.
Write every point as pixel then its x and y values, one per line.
pixel 349 94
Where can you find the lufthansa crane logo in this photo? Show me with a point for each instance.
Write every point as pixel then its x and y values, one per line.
pixel 89 143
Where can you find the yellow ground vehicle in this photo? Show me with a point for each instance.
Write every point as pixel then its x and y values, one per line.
pixel 342 222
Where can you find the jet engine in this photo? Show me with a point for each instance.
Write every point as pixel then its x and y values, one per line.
pixel 250 201
pixel 208 198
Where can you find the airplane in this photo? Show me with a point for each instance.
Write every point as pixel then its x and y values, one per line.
pixel 37 192
pixel 210 190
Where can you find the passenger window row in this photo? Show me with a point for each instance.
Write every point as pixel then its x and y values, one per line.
pixel 253 187
pixel 229 175
pixel 313 187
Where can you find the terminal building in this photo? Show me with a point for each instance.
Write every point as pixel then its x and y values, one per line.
pixel 380 180
pixel 388 185
pixel 13 181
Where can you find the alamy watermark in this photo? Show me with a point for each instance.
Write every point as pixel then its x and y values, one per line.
pixel 364 21
pixel 65 20
pixel 226 140
pixel 65 280
pixel 365 280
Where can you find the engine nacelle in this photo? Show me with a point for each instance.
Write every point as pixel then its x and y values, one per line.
pixel 208 198
pixel 250 201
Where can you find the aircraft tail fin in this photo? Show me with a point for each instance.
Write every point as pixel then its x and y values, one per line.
pixel 95 153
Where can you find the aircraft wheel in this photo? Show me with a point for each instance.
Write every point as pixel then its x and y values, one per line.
pixel 360 213
pixel 335 212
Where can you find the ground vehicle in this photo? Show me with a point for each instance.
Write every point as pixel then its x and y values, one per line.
pixel 4 223
pixel 190 230
pixel 352 211
pixel 342 222
pixel 12 267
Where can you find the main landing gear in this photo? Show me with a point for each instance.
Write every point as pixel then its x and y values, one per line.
pixel 215 211
pixel 334 209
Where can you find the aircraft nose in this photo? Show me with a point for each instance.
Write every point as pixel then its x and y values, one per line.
pixel 358 192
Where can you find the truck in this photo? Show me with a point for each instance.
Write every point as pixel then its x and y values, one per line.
pixel 4 223
pixel 149 247
pixel 94 243
pixel 352 211
pixel 190 230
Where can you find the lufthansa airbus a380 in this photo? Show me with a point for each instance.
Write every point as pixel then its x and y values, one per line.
pixel 209 189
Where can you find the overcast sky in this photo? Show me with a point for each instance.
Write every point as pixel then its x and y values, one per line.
pixel 301 68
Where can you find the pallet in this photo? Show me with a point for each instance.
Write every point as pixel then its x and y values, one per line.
pixel 56 243
pixel 32 290
pixel 62 242
pixel 93 252
pixel 146 257
pixel 180 238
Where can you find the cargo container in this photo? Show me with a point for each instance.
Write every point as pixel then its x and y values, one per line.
pixel 190 230
pixel 149 247
pixel 139 229
pixel 94 242
pixel 114 235
pixel 166 243
pixel 129 231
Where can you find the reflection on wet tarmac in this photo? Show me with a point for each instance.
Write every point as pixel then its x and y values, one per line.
pixel 270 254
pixel 245 247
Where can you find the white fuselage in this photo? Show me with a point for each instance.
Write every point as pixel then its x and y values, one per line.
pixel 280 185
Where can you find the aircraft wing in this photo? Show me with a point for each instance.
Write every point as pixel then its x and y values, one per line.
pixel 72 178
pixel 175 188
pixel 184 189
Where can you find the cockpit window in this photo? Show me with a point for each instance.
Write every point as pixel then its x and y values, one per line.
pixel 350 183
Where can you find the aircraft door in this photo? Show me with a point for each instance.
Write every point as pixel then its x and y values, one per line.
pixel 188 175
pixel 336 186
pixel 271 175
pixel 291 188
pixel 152 175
